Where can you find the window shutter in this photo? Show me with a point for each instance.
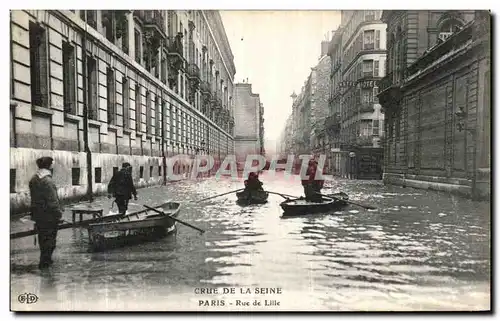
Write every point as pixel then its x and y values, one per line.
pixel 377 39
pixel 375 69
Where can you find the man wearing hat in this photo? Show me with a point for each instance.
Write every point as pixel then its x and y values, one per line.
pixel 45 209
pixel 121 186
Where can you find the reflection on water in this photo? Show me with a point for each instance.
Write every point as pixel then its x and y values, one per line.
pixel 418 250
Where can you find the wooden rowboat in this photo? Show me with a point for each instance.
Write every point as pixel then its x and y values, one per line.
pixel 132 228
pixel 255 197
pixel 302 207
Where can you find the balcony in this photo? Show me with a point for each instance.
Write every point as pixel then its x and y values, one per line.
pixel 193 72
pixel 366 107
pixel 369 46
pixel 389 91
pixel 153 19
pixel 175 52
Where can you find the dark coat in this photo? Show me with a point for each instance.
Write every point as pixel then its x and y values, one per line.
pixel 311 172
pixel 122 184
pixel 45 205
pixel 253 184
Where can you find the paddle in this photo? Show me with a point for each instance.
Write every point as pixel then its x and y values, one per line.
pixel 353 203
pixel 286 196
pixel 62 226
pixel 175 219
pixel 206 199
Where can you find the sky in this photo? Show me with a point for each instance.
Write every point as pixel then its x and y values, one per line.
pixel 276 50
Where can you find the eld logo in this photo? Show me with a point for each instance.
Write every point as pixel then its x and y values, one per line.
pixel 28 298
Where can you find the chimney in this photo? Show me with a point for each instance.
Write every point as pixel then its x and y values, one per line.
pixel 324 48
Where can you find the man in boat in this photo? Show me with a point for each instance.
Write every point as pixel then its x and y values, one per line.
pixel 45 210
pixel 312 186
pixel 253 184
pixel 122 187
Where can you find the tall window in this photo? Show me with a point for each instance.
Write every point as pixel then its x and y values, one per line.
pixel 376 126
pixel 137 39
pixel 111 95
pixel 92 85
pixel 158 108
pixel 148 112
pixel 367 68
pixel 138 108
pixel 69 79
pixel 369 39
pixel 38 65
pixel 126 102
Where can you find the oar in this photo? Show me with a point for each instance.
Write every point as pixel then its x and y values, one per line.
pixel 353 203
pixel 175 219
pixel 206 199
pixel 286 196
pixel 62 226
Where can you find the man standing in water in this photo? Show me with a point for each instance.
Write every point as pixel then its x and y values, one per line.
pixel 122 187
pixel 45 210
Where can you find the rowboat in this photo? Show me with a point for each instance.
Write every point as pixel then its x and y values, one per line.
pixel 255 197
pixel 144 225
pixel 302 207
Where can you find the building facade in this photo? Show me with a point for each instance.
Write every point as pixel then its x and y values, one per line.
pixel 333 121
pixel 355 122
pixel 93 89
pixel 436 98
pixel 320 87
pixel 306 125
pixel 248 132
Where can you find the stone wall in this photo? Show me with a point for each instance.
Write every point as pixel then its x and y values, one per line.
pixel 67 164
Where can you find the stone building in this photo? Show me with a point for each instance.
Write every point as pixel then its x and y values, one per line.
pixel 248 120
pixel 333 121
pixel 320 87
pixel 355 122
pixel 261 130
pixel 436 98
pixel 310 108
pixel 152 84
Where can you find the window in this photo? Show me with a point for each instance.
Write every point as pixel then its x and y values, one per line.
pixel 376 127
pixel 367 68
pixel 90 17
pixel 137 37
pixel 158 108
pixel 111 95
pixel 141 172
pixel 150 171
pixel 12 180
pixel 115 169
pixel 69 79
pixel 38 65
pixel 75 176
pixel 369 15
pixel 148 112
pixel 107 24
pixel 126 102
pixel 97 174
pixel 367 96
pixel 138 107
pixel 369 39
pixel 377 39
pixel 92 84
pixel 159 171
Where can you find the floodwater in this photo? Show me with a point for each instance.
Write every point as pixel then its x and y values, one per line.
pixel 419 250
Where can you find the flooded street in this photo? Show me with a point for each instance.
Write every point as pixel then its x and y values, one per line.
pixel 419 250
